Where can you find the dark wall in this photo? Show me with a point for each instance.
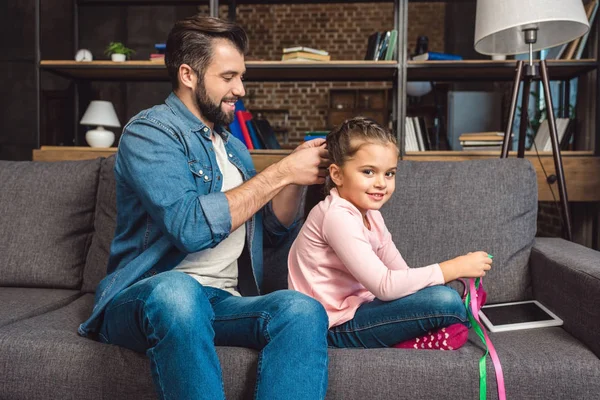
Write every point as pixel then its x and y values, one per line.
pixel 17 80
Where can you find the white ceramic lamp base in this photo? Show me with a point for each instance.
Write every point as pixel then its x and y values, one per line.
pixel 99 137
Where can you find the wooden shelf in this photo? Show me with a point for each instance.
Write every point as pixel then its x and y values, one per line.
pixel 582 169
pixel 470 70
pixel 255 70
pixel 489 70
pixel 221 2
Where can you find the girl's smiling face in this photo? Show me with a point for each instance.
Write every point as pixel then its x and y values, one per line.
pixel 367 179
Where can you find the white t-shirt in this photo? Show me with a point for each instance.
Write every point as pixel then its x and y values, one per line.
pixel 217 267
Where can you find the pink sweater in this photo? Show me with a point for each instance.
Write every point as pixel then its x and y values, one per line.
pixel 342 264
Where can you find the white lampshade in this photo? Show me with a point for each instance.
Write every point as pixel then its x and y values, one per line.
pixel 100 113
pixel 499 24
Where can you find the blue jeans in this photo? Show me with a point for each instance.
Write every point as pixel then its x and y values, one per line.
pixel 386 323
pixel 177 322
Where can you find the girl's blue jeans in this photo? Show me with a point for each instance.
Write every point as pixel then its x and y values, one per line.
pixel 385 323
pixel 177 322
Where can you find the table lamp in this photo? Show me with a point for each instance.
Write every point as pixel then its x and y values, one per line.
pixel 100 114
pixel 523 26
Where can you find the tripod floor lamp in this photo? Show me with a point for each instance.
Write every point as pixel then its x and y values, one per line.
pixel 507 27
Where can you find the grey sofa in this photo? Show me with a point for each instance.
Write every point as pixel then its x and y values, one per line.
pixel 57 221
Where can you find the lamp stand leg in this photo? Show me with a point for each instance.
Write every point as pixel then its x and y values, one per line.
pixel 513 106
pixel 558 165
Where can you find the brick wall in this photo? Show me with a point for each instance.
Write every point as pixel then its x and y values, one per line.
pixel 342 30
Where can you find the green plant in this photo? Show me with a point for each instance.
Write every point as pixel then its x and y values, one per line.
pixel 118 48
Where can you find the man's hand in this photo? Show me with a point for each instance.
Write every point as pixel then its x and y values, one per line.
pixel 307 165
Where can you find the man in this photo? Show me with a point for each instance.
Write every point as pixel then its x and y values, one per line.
pixel 189 205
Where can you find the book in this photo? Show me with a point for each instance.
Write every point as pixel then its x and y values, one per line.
pixel 418 133
pixel 242 118
pixel 256 140
pixel 542 141
pixel 482 136
pixel 304 56
pixel 435 56
pixel 311 137
pixel 383 47
pixel 267 134
pixel 464 143
pixel 574 44
pixel 372 45
pixel 391 47
pixel 305 49
pixel 584 39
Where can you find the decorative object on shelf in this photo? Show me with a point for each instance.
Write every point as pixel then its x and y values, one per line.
pixel 159 54
pixel 516 27
pixel 418 89
pixel 84 55
pixel 101 114
pixel 118 52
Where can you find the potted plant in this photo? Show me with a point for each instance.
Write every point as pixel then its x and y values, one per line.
pixel 118 52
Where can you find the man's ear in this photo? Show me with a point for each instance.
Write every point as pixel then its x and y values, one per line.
pixel 335 172
pixel 187 76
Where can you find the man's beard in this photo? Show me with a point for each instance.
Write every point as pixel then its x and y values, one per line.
pixel 211 111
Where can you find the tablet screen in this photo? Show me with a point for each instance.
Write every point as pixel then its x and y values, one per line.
pixel 516 314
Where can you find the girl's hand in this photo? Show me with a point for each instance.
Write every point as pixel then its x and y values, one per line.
pixel 471 265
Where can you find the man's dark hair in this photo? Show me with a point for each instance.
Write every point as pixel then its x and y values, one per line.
pixel 191 42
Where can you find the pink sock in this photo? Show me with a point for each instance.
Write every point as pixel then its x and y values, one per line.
pixel 449 338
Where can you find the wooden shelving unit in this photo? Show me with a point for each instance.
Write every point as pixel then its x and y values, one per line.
pixel 264 71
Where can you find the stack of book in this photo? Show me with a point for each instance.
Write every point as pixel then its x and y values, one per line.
pixel 417 135
pixel 159 54
pixel 382 46
pixel 481 140
pixel 302 53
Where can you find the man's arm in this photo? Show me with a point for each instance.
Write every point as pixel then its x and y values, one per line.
pixel 280 182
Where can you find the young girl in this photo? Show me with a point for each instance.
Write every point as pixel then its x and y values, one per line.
pixel 345 258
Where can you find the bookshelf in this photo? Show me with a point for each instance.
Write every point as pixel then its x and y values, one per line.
pixel 580 166
pixel 265 71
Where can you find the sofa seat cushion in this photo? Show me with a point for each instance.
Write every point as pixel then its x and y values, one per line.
pixel 46 221
pixel 21 303
pixel 44 355
pixel 442 210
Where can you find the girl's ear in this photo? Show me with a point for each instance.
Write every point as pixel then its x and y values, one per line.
pixel 335 172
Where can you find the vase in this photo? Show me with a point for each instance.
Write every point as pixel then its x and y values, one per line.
pixel 118 57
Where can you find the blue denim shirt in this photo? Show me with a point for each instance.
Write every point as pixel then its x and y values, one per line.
pixel 169 203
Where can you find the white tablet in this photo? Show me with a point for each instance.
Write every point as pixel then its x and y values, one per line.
pixel 518 315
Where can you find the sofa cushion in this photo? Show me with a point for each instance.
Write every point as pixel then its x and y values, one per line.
pixel 45 355
pixel 21 303
pixel 105 222
pixel 441 210
pixel 46 221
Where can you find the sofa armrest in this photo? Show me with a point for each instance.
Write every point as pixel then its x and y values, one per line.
pixel 566 278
